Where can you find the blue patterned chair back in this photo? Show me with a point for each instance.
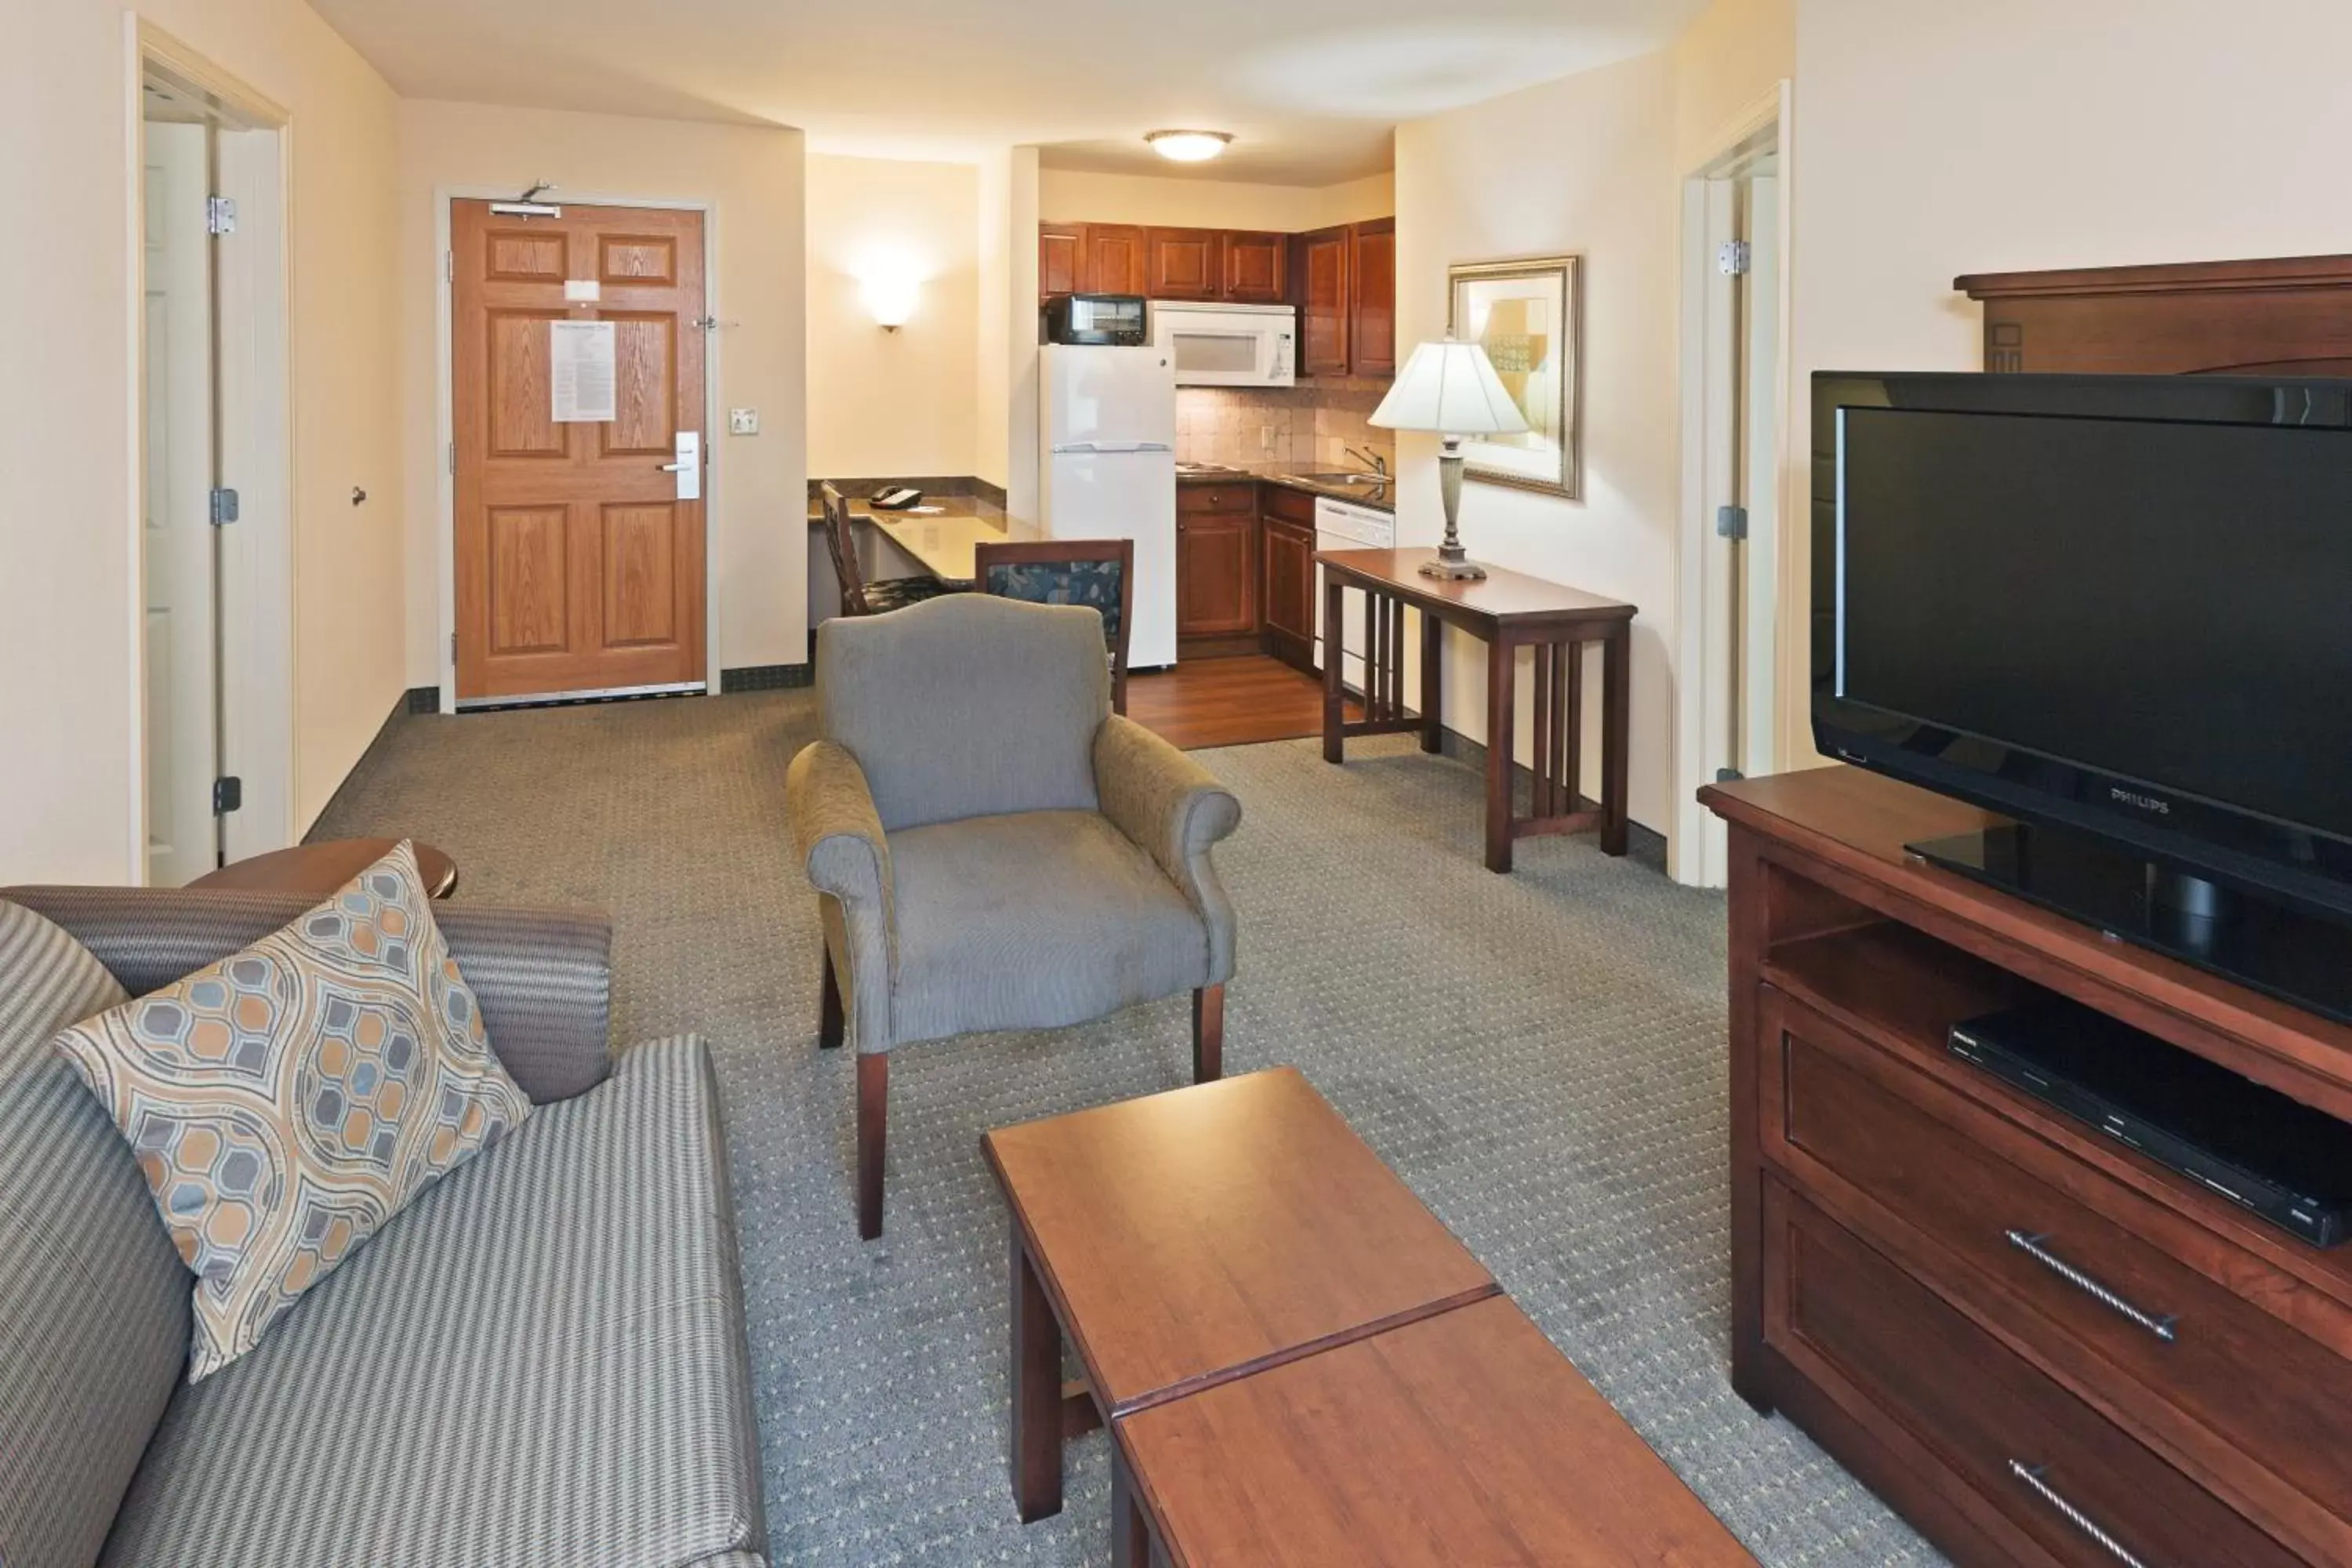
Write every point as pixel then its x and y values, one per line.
pixel 1097 584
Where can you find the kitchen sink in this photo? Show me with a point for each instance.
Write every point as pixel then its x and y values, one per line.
pixel 1343 478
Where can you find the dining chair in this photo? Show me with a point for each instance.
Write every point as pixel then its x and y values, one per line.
pixel 1096 572
pixel 858 597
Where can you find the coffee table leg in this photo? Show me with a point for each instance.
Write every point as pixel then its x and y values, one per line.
pixel 1036 1368
pixel 1130 1532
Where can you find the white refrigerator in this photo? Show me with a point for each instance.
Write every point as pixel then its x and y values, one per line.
pixel 1107 469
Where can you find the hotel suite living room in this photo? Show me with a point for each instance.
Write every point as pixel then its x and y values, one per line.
pixel 932 784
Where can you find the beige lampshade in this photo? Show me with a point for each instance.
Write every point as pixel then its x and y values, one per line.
pixel 1452 388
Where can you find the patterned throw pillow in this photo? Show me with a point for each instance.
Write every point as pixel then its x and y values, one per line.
pixel 287 1101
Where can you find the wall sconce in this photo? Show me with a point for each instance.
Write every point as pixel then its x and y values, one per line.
pixel 890 299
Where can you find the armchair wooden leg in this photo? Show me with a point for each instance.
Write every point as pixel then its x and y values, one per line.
pixel 1208 1034
pixel 831 1023
pixel 873 1121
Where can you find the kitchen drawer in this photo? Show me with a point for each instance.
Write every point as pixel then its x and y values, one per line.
pixel 1291 506
pixel 2080 1273
pixel 1221 496
pixel 2035 1470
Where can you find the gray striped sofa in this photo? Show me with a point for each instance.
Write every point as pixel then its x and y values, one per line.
pixel 540 1362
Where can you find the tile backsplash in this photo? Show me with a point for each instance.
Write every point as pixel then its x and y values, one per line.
pixel 1305 426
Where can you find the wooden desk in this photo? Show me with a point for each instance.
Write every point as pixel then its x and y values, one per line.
pixel 1462 1438
pixel 1188 1238
pixel 1508 612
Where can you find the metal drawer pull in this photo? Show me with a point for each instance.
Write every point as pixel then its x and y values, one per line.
pixel 2032 1475
pixel 2030 1245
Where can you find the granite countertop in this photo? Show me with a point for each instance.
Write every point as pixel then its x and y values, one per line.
pixel 943 539
pixel 1380 497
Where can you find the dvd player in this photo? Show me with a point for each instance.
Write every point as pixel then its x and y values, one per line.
pixel 2275 1156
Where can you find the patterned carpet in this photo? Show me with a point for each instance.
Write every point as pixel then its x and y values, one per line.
pixel 1540 1055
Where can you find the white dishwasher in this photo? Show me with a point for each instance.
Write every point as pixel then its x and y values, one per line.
pixel 1344 525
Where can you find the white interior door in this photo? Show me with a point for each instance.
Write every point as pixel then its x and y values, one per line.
pixel 177 537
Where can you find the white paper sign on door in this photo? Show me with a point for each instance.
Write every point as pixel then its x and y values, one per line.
pixel 581 371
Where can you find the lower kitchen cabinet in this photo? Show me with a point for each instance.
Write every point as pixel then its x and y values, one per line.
pixel 1216 561
pixel 1287 550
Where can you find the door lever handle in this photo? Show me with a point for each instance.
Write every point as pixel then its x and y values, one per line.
pixel 676 467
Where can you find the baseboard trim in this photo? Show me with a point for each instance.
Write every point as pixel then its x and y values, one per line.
pixel 766 677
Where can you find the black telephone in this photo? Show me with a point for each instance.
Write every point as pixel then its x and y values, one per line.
pixel 897 498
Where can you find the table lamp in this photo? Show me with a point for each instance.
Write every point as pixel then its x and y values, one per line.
pixel 1451 389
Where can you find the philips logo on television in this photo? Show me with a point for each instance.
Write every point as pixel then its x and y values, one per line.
pixel 2140 802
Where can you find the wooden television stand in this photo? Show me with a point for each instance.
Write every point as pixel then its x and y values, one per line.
pixel 2039 1346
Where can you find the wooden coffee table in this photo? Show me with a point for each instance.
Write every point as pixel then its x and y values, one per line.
pixel 1187 1239
pixel 1461 1439
pixel 319 869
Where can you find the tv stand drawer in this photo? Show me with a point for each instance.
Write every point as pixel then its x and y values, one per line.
pixel 2040 1475
pixel 2069 1267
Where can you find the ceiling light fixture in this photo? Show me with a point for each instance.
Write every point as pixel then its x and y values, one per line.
pixel 1188 146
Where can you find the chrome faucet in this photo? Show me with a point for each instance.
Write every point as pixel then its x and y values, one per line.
pixel 1378 464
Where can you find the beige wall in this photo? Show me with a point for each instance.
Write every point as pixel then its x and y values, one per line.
pixel 883 404
pixel 1734 54
pixel 70 680
pixel 992 363
pixel 1929 145
pixel 1585 165
pixel 752 178
pixel 1070 195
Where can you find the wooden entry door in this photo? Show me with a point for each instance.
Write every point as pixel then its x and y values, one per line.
pixel 578 564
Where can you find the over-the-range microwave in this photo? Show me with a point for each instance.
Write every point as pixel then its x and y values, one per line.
pixel 1226 345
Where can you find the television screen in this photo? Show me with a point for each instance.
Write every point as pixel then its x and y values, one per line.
pixel 2163 602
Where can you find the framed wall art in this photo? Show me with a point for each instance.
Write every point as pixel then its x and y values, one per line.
pixel 1527 316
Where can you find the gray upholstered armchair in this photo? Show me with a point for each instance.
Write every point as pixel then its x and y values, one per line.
pixel 992 848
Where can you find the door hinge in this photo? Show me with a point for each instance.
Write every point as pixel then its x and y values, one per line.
pixel 450 265
pixel 453 456
pixel 228 795
pixel 1731 523
pixel 220 216
pixel 452 647
pixel 1728 776
pixel 224 507
pixel 1732 259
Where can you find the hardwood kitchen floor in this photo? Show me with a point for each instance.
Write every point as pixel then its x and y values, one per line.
pixel 1235 702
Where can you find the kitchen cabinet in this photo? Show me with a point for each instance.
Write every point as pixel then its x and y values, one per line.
pixel 1115 258
pixel 1287 552
pixel 1216 561
pixel 1320 290
pixel 1372 297
pixel 1061 258
pixel 1183 263
pixel 1256 269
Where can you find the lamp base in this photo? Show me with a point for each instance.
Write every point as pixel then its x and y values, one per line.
pixel 1457 569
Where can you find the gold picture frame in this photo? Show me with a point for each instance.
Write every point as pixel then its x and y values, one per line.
pixel 1528 315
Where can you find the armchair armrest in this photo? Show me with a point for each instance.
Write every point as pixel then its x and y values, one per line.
pixel 543 977
pixel 1176 811
pixel 838 836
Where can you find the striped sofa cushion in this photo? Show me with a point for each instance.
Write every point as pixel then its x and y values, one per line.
pixel 539 1361
pixel 93 1300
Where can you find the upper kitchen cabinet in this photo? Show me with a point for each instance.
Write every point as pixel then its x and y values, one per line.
pixel 1061 258
pixel 1115 259
pixel 1372 297
pixel 1319 287
pixel 1183 263
pixel 1256 269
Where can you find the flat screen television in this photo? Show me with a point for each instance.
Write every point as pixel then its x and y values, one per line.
pixel 2118 609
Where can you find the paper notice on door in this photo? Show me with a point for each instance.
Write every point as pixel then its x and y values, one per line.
pixel 581 371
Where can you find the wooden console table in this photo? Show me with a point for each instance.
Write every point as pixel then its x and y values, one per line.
pixel 2037 1345
pixel 1508 612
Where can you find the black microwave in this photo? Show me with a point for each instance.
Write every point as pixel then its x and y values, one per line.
pixel 1104 320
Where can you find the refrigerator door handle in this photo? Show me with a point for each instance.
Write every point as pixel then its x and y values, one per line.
pixel 1116 448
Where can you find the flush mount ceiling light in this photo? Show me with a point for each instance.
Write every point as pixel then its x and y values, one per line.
pixel 1188 146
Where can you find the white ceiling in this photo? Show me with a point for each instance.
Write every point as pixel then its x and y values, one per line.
pixel 1311 88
